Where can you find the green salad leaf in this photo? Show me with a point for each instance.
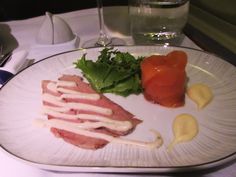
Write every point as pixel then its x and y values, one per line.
pixel 113 72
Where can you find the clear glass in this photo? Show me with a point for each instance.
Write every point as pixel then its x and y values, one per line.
pixel 103 39
pixel 157 21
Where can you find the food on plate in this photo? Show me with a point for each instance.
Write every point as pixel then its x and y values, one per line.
pixel 201 94
pixel 161 78
pixel 113 72
pixel 164 78
pixel 185 128
pixel 97 136
pixel 85 118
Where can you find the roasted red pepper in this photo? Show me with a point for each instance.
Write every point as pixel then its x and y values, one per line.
pixel 164 78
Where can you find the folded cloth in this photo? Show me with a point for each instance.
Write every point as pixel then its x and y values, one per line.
pixel 39 51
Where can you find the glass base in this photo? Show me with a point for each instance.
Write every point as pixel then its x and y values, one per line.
pixel 96 43
pixel 158 38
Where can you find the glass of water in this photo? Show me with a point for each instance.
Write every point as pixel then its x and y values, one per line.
pixel 157 21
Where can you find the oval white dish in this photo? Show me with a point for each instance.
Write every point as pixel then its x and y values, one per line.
pixel 20 104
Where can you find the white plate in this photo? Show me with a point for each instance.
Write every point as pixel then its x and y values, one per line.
pixel 20 104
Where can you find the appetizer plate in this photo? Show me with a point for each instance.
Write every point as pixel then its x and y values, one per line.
pixel 215 144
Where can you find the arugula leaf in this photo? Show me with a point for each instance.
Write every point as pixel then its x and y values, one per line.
pixel 126 87
pixel 113 72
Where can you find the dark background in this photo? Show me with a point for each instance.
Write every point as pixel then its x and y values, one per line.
pixel 220 10
pixel 22 9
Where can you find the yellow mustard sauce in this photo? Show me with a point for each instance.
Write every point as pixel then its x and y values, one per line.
pixel 185 128
pixel 201 94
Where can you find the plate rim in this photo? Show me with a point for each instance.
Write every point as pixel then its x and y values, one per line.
pixel 220 163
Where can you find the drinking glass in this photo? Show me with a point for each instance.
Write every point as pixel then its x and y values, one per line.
pixel 157 21
pixel 103 39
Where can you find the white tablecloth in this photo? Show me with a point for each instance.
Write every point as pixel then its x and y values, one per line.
pixel 84 23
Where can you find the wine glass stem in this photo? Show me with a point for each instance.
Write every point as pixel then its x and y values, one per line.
pixel 103 39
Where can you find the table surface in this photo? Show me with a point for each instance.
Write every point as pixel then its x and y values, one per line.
pixel 21 34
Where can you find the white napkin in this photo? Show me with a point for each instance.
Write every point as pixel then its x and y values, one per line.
pixel 16 62
pixel 39 51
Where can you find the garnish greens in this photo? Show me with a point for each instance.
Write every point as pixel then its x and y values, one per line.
pixel 113 72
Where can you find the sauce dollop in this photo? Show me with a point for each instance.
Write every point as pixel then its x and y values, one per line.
pixel 201 94
pixel 185 128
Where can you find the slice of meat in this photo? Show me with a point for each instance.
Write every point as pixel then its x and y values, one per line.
pixel 79 140
pixel 118 113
